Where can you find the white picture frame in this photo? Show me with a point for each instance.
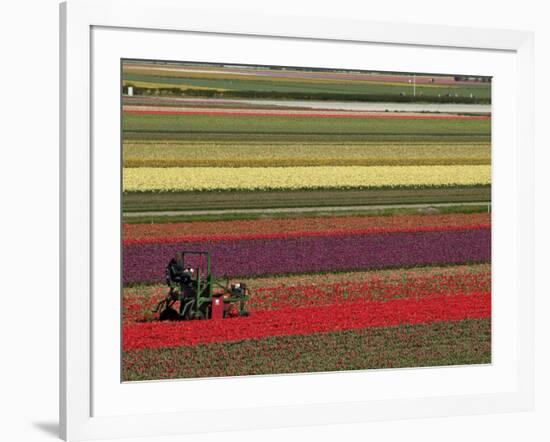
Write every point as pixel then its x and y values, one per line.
pixel 79 377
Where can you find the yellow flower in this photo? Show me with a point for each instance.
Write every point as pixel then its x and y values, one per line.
pixel 264 178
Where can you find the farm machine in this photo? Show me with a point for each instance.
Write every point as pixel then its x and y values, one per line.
pixel 194 293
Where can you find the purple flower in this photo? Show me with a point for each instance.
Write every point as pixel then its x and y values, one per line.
pixel 146 263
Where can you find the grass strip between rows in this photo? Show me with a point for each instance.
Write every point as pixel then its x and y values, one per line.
pixel 184 218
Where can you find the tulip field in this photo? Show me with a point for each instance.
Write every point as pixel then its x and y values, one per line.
pixel 363 236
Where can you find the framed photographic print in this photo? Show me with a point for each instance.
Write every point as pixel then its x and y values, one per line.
pixel 316 221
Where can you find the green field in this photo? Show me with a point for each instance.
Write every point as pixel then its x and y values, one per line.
pixel 292 125
pixel 158 141
pixel 134 218
pixel 141 135
pixel 158 201
pixel 254 83
pixel 252 141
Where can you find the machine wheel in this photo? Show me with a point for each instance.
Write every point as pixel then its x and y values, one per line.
pixel 169 314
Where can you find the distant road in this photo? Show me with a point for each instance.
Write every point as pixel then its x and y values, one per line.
pixel 295 209
pixel 330 105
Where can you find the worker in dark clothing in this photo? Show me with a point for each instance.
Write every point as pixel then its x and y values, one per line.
pixel 174 271
pixel 179 279
pixel 180 283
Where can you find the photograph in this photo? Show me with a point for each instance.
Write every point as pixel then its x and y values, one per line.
pixel 289 220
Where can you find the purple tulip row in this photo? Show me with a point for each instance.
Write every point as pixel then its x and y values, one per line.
pixel 146 263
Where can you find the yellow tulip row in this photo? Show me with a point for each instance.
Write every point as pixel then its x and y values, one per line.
pixel 167 179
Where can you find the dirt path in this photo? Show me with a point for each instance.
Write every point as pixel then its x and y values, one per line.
pixel 325 105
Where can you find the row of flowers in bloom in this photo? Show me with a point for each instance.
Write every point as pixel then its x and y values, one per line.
pixel 288 153
pixel 250 257
pixel 338 293
pixel 235 228
pixel 436 344
pixel 165 110
pixel 181 179
pixel 332 289
pixel 296 321
pixel 306 234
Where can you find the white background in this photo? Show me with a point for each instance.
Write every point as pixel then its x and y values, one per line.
pixel 28 182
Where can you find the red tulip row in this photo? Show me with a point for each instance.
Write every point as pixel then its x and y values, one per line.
pixel 157 110
pixel 236 228
pixel 332 288
pixel 300 321
pixel 374 289
pixel 289 235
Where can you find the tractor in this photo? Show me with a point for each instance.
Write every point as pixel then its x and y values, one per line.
pixel 194 293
